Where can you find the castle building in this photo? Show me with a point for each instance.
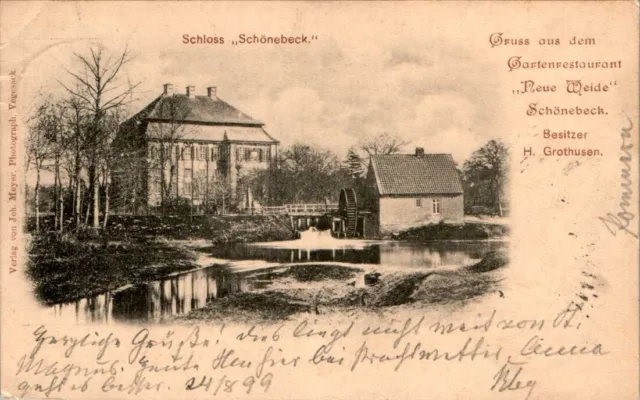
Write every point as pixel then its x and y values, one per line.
pixel 195 147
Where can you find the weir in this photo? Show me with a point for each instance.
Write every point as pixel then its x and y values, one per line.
pixel 345 219
pixel 314 239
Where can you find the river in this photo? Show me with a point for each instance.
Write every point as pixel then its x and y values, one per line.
pixel 254 267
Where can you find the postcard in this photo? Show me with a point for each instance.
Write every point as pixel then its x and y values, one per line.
pixel 319 200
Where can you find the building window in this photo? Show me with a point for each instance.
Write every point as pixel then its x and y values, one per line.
pixel 187 153
pixel 204 153
pixel 214 153
pixel 156 177
pixel 201 177
pixel 418 202
pixel 195 187
pixel 436 206
pixel 251 154
pixel 186 181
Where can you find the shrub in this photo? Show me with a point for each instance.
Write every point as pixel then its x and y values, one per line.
pixel 178 206
pixel 443 231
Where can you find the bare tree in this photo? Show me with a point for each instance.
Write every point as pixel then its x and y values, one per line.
pixel 312 171
pixel 108 155
pixel 76 123
pixel 166 134
pixel 43 125
pixel 383 143
pixel 59 139
pixel 100 87
pixel 202 187
pixel 305 174
pixel 219 188
pixel 50 117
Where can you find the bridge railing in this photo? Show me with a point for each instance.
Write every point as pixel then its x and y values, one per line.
pixel 271 210
pixel 297 209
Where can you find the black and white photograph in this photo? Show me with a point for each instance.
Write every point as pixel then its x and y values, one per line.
pixel 315 191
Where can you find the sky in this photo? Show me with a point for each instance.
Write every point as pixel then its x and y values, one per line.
pixel 408 72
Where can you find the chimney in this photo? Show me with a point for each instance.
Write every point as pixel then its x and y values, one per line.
pixel 191 91
pixel 211 92
pixel 168 89
pixel 419 151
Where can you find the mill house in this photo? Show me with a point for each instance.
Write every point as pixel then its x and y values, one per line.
pixel 410 190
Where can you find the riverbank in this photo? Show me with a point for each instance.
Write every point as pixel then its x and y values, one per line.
pixel 64 268
pixel 69 266
pixel 343 290
pixel 79 263
pixel 466 231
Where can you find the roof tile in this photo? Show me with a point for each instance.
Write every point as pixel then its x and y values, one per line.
pixel 198 109
pixel 405 174
pixel 200 118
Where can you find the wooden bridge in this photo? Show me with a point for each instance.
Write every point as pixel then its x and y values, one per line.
pixel 302 216
pixel 345 218
pixel 298 210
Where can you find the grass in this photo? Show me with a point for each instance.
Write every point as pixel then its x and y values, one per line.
pixel 250 307
pixel 249 229
pixel 64 268
pixel 442 231
pixel 492 260
pixel 395 290
pixel 318 273
pixel 455 287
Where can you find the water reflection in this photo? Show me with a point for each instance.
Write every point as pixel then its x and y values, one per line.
pixel 171 296
pixel 182 293
pixel 369 255
pixel 384 253
pixel 438 255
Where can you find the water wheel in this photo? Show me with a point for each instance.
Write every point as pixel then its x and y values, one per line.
pixel 348 210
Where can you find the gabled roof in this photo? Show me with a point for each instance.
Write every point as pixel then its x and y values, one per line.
pixel 407 174
pixel 202 109
pixel 201 118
